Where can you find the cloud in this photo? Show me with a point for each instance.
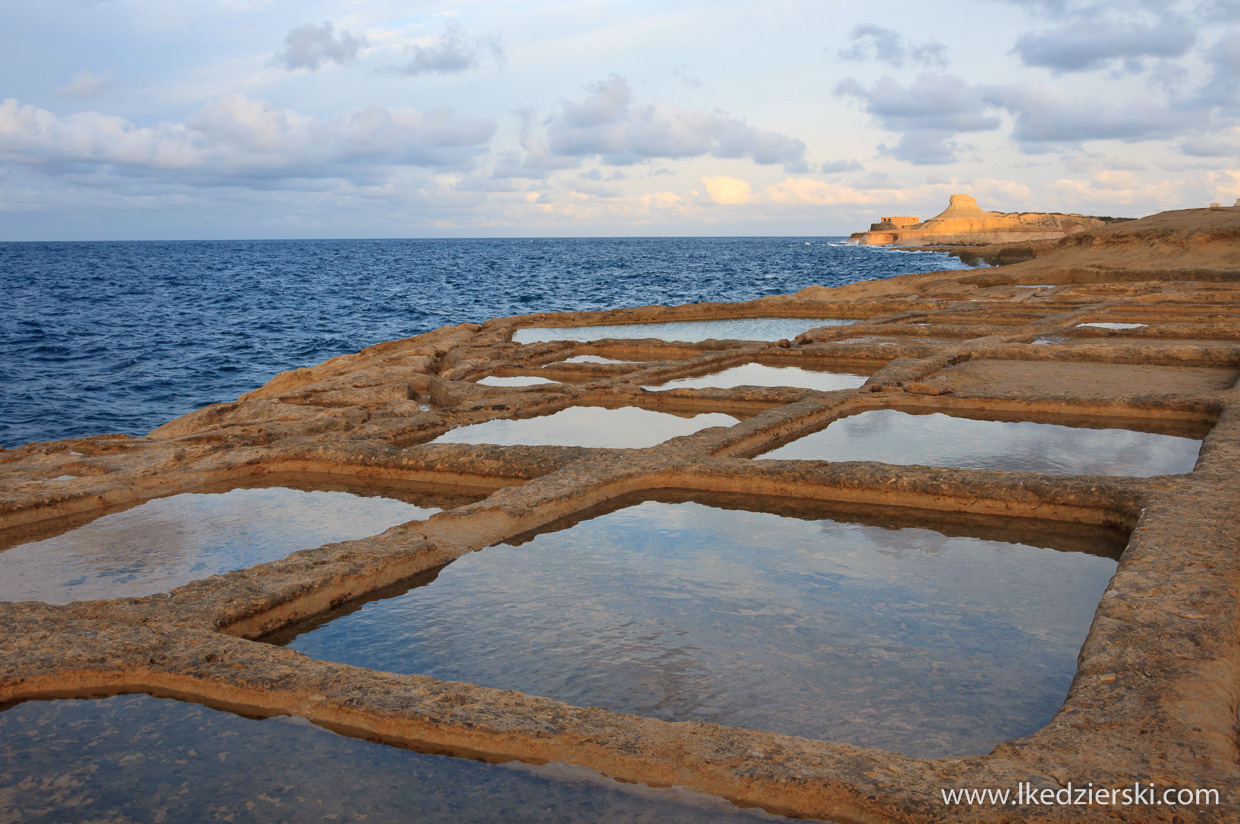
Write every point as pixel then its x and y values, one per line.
pixel 727 191
pixel 926 113
pixel 932 111
pixel 1052 8
pixel 1123 189
pixel 795 193
pixel 1050 114
pixel 452 53
pixel 309 47
pixel 662 201
pixel 873 42
pixel 932 102
pixel 1096 38
pixel 1083 162
pixel 1218 144
pixel 1211 11
pixel 609 125
pixel 1221 89
pixel 588 185
pixel 837 166
pixel 810 192
pixel 573 207
pixel 237 140
pixel 85 85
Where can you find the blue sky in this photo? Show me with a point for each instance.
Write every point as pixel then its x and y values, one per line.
pixel 373 118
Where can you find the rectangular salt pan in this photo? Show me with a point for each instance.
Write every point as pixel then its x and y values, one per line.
pixel 757 374
pixel 593 359
pixel 628 427
pixel 167 542
pixel 689 331
pixel 517 380
pixel 879 630
pixel 133 758
pixel 935 439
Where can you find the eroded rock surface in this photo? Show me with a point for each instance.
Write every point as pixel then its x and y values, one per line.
pixel 1158 683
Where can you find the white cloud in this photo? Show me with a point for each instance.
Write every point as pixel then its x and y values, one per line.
pixel 810 192
pixel 1222 90
pixel 934 109
pixel 572 207
pixel 609 125
pixel 1225 143
pixel 837 166
pixel 1052 114
pixel 452 53
pixel 661 201
pixel 1111 189
pixel 86 84
pixel 1099 36
pixel 727 191
pixel 587 185
pixel 927 113
pixel 1039 90
pixel 310 47
pixel 871 41
pixel 242 141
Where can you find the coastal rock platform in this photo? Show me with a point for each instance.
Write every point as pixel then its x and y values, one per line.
pixel 1136 322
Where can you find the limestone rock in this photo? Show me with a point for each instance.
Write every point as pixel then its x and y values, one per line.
pixel 964 223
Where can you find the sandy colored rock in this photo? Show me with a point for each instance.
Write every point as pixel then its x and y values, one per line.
pixel 1155 694
pixel 964 223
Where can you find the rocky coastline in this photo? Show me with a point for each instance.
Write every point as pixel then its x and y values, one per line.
pixel 1134 322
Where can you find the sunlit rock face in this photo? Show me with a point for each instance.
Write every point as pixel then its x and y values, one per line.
pixel 964 222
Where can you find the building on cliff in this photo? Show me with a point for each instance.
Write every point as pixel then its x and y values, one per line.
pixel 963 223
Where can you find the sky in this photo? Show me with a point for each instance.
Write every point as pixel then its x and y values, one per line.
pixel 150 119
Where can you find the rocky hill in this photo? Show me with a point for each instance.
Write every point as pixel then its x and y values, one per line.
pixel 964 223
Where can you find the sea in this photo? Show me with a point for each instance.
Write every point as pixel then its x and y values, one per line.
pixel 122 337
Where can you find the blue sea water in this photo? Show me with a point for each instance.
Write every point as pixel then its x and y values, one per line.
pixel 125 336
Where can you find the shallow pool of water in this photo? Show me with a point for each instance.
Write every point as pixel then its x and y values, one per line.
pixel 518 380
pixel 593 359
pixel 883 628
pixel 167 542
pixel 134 758
pixel 1114 325
pixel 903 340
pixel 689 331
pixel 628 427
pixel 757 374
pixel 935 439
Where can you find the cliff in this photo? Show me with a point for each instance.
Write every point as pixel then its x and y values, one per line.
pixel 964 223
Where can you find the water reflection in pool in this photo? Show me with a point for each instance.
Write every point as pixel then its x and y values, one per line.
pixel 593 359
pixel 936 439
pixel 516 380
pixel 690 331
pixel 757 374
pixel 627 427
pixel 925 636
pixel 134 758
pixel 167 542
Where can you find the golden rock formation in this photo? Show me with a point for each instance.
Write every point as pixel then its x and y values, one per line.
pixel 964 223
